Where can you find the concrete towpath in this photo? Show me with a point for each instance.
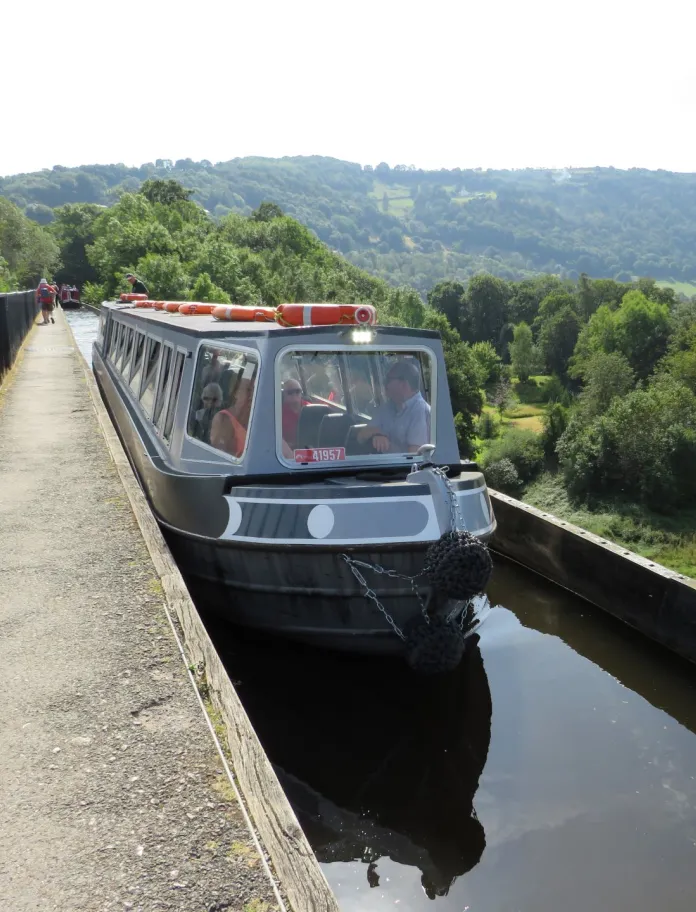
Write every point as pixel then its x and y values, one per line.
pixel 112 793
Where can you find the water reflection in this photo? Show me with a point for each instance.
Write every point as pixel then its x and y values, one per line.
pixel 376 765
pixel 555 769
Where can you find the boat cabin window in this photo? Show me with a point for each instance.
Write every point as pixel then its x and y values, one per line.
pixel 147 397
pixel 137 368
pixel 174 388
pixel 116 341
pixel 350 404
pixel 163 387
pixel 126 349
pixel 223 391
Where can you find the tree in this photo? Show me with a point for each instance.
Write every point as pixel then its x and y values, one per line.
pixel 643 447
pixel 462 378
pixel 448 298
pixel 485 305
pixel 557 339
pixel 642 331
pixel 73 229
pixel 266 212
pixel 490 364
pixel 165 191
pixel 206 291
pixel 523 354
pixel 606 375
pixel 501 395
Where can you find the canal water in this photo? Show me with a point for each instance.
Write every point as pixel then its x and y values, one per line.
pixel 555 770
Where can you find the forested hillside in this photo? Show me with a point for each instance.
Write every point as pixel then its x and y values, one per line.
pixel 418 227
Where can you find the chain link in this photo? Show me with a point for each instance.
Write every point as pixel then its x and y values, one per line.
pixel 457 523
pixel 456 517
pixel 370 593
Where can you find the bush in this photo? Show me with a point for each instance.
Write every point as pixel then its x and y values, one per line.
pixel 488 426
pixel 522 448
pixel 552 390
pixel 503 476
pixel 643 446
pixel 555 422
pixel 92 293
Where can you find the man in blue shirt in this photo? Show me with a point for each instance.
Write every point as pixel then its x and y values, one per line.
pixel 402 424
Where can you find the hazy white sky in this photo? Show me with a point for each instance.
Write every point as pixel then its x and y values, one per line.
pixel 502 83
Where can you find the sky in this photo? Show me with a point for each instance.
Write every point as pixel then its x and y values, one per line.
pixel 494 84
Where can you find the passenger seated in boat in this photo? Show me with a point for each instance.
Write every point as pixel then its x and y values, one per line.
pixel 211 398
pixel 292 408
pixel 402 424
pixel 229 427
pixel 213 370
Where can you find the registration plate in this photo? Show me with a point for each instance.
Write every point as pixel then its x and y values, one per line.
pixel 321 454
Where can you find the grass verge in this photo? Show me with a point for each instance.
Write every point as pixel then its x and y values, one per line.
pixel 667 539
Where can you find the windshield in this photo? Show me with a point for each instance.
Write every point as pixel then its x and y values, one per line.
pixel 352 404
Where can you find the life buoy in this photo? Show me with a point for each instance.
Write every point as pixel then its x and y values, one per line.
pixel 193 307
pixel 158 305
pixel 240 313
pixel 145 303
pixel 129 297
pixel 171 307
pixel 325 314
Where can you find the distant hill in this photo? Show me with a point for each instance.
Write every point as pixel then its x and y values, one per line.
pixel 417 227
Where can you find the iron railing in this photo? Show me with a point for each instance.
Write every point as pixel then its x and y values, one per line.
pixel 18 310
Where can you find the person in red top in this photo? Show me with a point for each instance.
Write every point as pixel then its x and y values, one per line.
pixel 47 298
pixel 292 409
pixel 229 428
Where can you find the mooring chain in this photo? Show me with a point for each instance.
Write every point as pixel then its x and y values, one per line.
pixel 370 593
pixel 456 517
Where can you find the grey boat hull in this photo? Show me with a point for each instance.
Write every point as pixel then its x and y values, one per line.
pixel 245 547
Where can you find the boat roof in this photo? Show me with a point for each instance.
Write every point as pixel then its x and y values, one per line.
pixel 207 325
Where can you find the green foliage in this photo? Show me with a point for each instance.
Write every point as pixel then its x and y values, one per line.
pixel 667 538
pixel 73 230
pixel 522 448
pixel 639 329
pixel 488 426
pixel 448 298
pixel 554 422
pixel 165 192
pixel 94 293
pixel 606 376
pixel 164 276
pixel 643 447
pixel 598 221
pixel 557 338
pixel 462 376
pixel 27 251
pixel 523 354
pixel 503 476
pixel 489 362
pixel 206 291
pixel 484 309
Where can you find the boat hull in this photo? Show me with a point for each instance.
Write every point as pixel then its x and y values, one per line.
pixel 305 594
pixel 221 533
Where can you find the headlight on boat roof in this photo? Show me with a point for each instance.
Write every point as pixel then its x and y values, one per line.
pixel 362 335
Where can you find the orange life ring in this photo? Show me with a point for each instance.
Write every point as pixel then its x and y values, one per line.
pixel 240 313
pixel 193 307
pixel 144 303
pixel 158 305
pixel 171 307
pixel 326 314
pixel 128 297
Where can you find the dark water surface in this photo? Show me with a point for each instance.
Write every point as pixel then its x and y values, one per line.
pixel 554 772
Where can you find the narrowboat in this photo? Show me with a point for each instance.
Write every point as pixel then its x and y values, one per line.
pixel 302 464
